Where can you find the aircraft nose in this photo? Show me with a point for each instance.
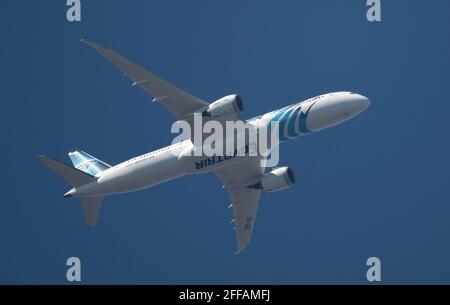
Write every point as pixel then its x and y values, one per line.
pixel 353 104
pixel 335 109
pixel 359 102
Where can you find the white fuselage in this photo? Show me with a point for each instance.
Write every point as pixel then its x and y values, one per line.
pixel 174 161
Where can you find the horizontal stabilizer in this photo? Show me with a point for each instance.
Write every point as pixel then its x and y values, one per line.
pixel 91 209
pixel 72 175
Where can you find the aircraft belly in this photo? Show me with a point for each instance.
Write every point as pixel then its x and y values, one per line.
pixel 139 176
pixel 200 165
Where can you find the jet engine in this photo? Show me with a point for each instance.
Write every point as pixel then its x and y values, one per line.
pixel 224 107
pixel 278 179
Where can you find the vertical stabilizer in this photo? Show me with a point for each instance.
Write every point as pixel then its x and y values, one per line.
pixel 87 163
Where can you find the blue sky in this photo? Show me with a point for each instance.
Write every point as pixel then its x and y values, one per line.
pixel 374 186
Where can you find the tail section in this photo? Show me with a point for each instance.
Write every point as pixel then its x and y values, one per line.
pixel 73 176
pixel 87 163
pixel 76 178
pixel 91 209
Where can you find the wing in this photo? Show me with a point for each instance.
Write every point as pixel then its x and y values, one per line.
pixel 244 201
pixel 180 103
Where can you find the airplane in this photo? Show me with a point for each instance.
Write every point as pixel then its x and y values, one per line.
pixel 243 177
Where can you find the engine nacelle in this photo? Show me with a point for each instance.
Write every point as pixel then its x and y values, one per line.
pixel 224 107
pixel 278 179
